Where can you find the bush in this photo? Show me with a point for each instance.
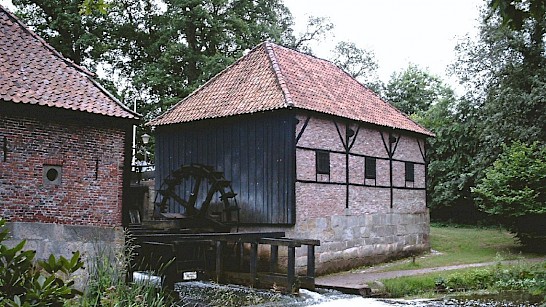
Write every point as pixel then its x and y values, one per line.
pixel 25 282
pixel 522 277
pixel 514 191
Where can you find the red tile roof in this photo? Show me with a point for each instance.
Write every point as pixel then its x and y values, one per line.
pixel 32 72
pixel 273 77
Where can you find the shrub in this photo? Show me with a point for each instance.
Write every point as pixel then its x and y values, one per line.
pixel 26 282
pixel 514 191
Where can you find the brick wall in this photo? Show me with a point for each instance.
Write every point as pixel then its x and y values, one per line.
pixel 367 229
pixel 90 154
pixel 318 197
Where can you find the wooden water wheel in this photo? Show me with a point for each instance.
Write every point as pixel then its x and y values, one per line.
pixel 205 195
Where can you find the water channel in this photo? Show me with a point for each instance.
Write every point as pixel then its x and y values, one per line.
pixel 195 294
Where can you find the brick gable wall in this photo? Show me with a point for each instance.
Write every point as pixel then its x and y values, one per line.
pixel 90 192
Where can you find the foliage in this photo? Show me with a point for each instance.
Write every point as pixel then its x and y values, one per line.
pixel 358 63
pixel 59 22
pixel 90 6
pixel 521 277
pixel 107 284
pixel 514 190
pixel 505 76
pixel 529 278
pixel 522 13
pixel 26 282
pixel 451 172
pixel 414 90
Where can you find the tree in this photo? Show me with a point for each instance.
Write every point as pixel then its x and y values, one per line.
pixel 450 155
pixel 505 77
pixel 414 90
pixel 514 191
pixel 523 16
pixel 359 63
pixel 317 29
pixel 59 22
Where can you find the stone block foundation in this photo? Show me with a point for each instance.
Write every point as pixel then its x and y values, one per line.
pixel 349 242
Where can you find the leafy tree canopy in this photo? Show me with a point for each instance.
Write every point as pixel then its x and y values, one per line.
pixel 358 63
pixel 514 190
pixel 414 90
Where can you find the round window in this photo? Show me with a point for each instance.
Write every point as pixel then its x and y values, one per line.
pixel 52 174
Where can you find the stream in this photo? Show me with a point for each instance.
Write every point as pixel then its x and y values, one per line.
pixel 204 294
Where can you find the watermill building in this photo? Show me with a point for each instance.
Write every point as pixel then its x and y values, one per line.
pixel 309 151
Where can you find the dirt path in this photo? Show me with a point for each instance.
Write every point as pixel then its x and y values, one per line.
pixel 359 281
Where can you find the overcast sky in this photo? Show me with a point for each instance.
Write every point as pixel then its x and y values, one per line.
pixel 399 32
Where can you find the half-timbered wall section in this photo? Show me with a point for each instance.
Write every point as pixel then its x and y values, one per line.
pixel 350 146
pixel 361 213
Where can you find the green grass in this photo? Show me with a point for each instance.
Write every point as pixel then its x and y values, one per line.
pixel 425 285
pixel 522 277
pixel 463 245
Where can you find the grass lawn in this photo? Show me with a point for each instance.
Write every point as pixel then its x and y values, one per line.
pixel 462 245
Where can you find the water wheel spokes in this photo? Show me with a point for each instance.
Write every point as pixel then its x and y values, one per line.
pixel 194 187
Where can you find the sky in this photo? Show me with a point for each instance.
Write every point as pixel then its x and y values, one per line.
pixel 398 32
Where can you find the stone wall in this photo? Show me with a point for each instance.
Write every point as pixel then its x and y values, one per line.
pixel 349 241
pixel 62 240
pixel 88 155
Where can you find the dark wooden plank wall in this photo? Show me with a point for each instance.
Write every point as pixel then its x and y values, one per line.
pixel 256 152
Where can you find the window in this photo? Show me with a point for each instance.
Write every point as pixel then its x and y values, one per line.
pixel 52 174
pixel 369 168
pixel 323 162
pixel 410 171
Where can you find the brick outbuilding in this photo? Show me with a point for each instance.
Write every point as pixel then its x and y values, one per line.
pixel 310 151
pixel 65 146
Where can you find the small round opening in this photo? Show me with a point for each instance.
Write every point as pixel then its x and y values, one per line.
pixel 52 174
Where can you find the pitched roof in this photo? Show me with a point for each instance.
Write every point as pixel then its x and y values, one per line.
pixel 273 77
pixel 32 72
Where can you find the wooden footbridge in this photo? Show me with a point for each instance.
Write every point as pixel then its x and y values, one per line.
pixel 226 258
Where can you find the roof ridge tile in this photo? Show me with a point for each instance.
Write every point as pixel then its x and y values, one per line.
pixel 278 73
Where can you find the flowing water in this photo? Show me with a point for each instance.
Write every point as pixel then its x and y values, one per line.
pixel 204 294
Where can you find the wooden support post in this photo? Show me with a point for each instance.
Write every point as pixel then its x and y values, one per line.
pixel 219 259
pixel 291 278
pixel 253 262
pixel 241 254
pixel 311 261
pixel 274 258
